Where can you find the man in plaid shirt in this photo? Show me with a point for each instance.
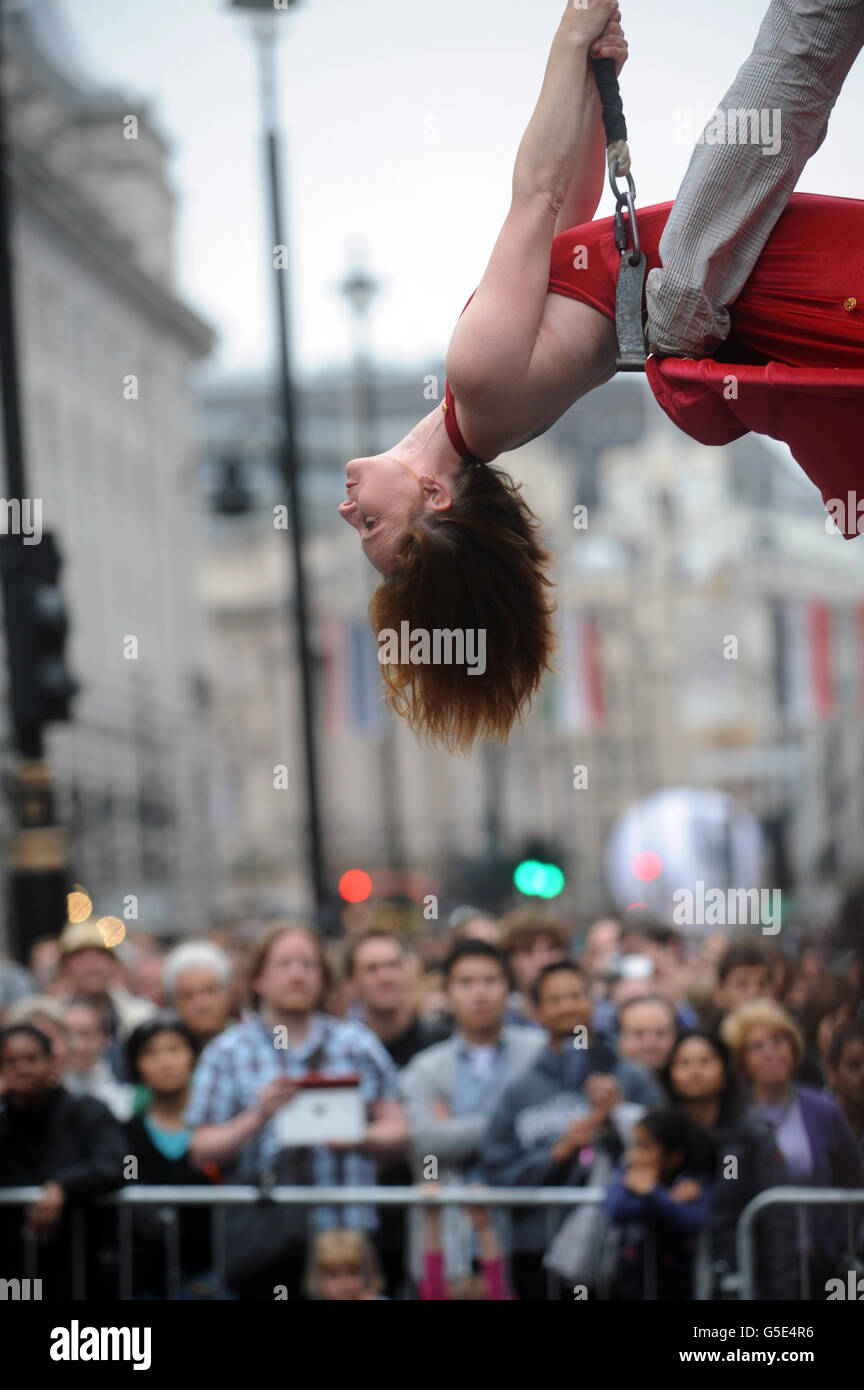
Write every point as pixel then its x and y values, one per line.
pixel 243 1077
pixel 733 192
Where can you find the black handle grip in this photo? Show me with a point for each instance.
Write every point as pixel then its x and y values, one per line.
pixel 610 97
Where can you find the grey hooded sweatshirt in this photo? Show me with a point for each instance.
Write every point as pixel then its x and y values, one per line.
pixel 532 1115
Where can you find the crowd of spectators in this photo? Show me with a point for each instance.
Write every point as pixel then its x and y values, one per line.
pixel 681 1075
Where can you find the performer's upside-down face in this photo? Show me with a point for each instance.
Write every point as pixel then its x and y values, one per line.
pixel 460 549
pixel 384 499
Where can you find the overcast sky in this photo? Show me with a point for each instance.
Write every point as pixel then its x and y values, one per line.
pixel 403 120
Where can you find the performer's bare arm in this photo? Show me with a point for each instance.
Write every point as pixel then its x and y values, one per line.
pixel 585 188
pixel 557 179
pixel 557 155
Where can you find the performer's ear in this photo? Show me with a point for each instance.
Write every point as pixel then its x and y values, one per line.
pixel 435 494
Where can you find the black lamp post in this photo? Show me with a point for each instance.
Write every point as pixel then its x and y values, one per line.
pixel 359 290
pixel 41 689
pixel 265 21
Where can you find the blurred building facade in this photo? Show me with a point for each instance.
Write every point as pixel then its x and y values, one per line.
pixel 712 628
pixel 107 352
pixel 712 635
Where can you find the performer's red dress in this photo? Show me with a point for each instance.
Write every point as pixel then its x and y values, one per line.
pixel 793 364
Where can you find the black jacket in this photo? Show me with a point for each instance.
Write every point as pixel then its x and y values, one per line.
pixel 759 1165
pixel 149 1232
pixel 76 1142
pixel 72 1140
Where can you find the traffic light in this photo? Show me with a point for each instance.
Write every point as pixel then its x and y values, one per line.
pixel 538 880
pixel 41 688
pixel 231 495
pixel 355 886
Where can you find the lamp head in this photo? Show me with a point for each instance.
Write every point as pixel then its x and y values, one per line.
pixel 257 6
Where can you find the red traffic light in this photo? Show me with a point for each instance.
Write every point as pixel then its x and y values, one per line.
pixel 355 886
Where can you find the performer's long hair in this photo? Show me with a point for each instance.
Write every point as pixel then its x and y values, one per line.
pixel 479 564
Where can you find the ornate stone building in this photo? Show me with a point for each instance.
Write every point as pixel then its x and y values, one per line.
pixel 108 349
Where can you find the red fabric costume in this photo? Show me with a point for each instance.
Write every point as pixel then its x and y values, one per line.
pixel 793 364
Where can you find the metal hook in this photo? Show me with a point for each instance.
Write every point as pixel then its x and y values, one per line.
pixel 628 198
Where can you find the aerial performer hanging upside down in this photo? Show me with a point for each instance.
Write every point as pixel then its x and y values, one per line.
pixel 752 315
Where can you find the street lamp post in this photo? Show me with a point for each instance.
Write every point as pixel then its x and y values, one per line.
pixel 40 688
pixel 265 21
pixel 359 289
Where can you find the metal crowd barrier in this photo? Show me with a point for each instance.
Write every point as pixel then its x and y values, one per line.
pixel 218 1198
pixel 802 1197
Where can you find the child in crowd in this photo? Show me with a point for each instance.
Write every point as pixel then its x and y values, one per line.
pixel 662 1190
pixel 487 1287
pixel 343 1268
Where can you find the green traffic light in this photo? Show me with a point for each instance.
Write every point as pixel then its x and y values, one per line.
pixel 553 881
pixel 526 876
pixel 538 880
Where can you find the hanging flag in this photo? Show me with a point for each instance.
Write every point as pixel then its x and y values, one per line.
pixel 804 660
pixel 580 689
pixel 819 618
pixel 368 710
pixel 353 685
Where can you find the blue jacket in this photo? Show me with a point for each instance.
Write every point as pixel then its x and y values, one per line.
pixel 675 1226
pixel 837 1162
pixel 657 1209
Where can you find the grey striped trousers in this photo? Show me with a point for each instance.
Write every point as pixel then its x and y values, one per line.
pixel 735 187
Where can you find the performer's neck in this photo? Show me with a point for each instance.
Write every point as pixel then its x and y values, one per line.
pixel 430 440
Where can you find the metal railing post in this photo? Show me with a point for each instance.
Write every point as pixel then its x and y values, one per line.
pixel 218 1198
pixel 79 1255
pixel 802 1196
pixel 125 1255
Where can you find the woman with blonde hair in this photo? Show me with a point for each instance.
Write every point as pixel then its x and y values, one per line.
pixel 812 1133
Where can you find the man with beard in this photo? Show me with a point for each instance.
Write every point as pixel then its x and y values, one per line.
pixel 250 1072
